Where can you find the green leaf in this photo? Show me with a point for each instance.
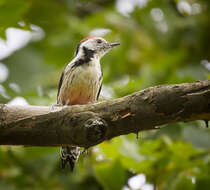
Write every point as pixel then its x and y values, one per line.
pixel 199 137
pixel 203 183
pixel 180 181
pixel 111 176
pixel 12 12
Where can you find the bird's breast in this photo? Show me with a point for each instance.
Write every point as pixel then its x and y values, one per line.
pixel 81 85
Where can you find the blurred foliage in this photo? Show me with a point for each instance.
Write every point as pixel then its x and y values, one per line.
pixel 162 42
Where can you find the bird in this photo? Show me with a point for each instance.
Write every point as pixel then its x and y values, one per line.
pixel 81 82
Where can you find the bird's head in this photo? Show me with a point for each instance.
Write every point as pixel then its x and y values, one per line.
pixel 95 47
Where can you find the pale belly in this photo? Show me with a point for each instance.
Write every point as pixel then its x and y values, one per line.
pixel 81 87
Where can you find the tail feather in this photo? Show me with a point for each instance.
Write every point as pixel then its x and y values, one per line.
pixel 69 154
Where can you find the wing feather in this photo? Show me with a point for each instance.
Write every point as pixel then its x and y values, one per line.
pixel 60 84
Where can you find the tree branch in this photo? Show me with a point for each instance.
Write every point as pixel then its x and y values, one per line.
pixel 88 125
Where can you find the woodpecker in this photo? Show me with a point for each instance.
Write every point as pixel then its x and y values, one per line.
pixel 80 83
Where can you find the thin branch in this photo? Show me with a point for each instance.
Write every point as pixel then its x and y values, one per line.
pixel 88 125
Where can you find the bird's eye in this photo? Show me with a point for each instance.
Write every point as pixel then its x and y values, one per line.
pixel 99 41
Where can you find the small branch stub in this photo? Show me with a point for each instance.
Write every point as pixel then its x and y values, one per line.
pixel 96 129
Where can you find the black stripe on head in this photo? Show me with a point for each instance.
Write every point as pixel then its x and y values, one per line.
pixel 88 55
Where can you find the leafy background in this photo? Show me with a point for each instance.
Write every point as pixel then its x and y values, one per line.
pixel 162 42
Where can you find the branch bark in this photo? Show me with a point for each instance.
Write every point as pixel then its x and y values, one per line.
pixel 88 125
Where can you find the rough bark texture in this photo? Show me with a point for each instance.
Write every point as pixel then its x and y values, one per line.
pixel 88 125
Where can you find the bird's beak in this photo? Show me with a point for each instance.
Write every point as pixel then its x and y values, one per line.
pixel 113 44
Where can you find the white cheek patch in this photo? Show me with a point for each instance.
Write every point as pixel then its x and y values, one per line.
pixel 90 44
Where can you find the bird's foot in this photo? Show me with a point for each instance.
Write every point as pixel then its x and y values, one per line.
pixel 54 106
pixel 85 151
